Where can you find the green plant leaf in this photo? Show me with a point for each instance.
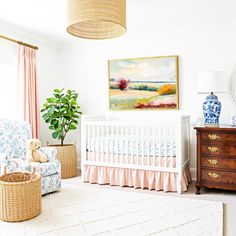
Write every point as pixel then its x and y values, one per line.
pixel 54 135
pixel 52 127
pixel 54 121
pixel 61 112
pixel 51 100
pixel 72 127
pixel 47 120
pixel 75 121
pixel 59 129
pixel 59 135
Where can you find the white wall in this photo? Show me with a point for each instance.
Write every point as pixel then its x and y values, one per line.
pixel 84 67
pixel 202 33
pixel 48 62
pixel 48 79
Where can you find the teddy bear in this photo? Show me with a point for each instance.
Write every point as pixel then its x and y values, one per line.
pixel 33 153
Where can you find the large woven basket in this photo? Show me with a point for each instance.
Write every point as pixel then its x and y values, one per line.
pixel 68 158
pixel 20 196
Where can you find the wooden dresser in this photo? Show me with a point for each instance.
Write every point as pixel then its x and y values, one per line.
pixel 216 158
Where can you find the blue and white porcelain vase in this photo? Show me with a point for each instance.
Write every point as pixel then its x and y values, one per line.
pixel 211 110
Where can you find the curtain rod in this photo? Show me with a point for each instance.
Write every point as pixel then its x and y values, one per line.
pixel 19 42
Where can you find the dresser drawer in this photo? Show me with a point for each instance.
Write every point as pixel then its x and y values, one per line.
pixel 218 176
pixel 216 157
pixel 218 162
pixel 217 150
pixel 220 137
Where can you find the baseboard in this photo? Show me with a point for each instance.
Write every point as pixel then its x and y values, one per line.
pixel 193 173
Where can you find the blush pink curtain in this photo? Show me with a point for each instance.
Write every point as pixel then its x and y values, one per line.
pixel 28 87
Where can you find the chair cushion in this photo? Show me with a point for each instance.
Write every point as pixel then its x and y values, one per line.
pixel 50 152
pixel 13 137
pixel 48 168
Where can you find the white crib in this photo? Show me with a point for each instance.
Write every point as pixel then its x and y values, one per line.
pixel 158 144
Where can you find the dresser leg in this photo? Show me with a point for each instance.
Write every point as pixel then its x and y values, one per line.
pixel 198 187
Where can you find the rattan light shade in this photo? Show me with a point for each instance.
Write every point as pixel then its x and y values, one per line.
pixel 96 19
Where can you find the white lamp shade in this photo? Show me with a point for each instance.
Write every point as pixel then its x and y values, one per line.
pixel 212 81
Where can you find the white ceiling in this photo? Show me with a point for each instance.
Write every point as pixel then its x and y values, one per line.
pixel 47 18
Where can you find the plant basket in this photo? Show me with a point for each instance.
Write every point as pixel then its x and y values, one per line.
pixel 20 196
pixel 67 156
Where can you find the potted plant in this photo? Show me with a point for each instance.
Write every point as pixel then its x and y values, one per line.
pixel 61 112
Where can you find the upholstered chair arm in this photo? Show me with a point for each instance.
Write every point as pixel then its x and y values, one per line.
pixel 3 157
pixel 3 161
pixel 12 164
pixel 51 153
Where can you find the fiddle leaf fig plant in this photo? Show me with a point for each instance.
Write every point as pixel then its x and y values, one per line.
pixel 61 112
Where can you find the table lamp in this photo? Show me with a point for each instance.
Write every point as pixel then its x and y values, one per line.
pixel 209 83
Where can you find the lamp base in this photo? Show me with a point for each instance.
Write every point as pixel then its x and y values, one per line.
pixel 211 111
pixel 212 125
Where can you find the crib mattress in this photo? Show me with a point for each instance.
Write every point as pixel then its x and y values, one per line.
pixel 132 145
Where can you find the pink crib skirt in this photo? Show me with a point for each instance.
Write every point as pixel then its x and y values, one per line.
pixel 152 180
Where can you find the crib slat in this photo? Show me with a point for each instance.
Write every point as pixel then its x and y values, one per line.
pixel 148 133
pixel 165 145
pixel 127 144
pixel 107 136
pixel 143 145
pixel 159 145
pixel 137 145
pixel 98 142
pixel 112 143
pixel 132 143
pixel 89 143
pixel 117 144
pixel 122 143
pixel 172 138
pixel 153 146
pixel 94 142
pixel 102 142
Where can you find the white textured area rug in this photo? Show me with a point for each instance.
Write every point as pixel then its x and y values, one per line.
pixel 80 210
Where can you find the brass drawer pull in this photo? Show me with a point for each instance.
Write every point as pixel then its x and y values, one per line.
pixel 212 162
pixel 213 149
pixel 213 136
pixel 213 175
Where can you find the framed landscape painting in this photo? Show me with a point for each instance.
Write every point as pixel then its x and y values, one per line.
pixel 143 83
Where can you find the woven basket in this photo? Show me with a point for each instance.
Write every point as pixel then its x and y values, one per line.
pixel 20 196
pixel 96 19
pixel 68 158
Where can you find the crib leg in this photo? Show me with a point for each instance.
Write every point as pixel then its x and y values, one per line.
pixel 179 180
pixel 82 174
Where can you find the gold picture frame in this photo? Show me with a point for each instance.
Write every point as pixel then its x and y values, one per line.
pixel 148 83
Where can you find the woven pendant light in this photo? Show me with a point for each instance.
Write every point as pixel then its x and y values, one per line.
pixel 96 19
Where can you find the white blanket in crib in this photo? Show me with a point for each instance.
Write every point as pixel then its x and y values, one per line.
pixel 132 145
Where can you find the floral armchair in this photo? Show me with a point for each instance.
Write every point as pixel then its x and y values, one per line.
pixel 13 138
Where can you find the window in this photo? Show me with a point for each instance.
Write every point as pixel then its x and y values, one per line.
pixel 8 81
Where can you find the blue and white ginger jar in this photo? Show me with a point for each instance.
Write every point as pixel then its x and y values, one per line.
pixel 211 110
